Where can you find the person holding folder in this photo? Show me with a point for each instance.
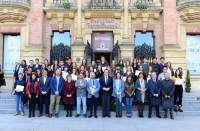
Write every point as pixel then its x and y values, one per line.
pixel 19 87
pixel 178 81
pixel 118 94
pixel 93 88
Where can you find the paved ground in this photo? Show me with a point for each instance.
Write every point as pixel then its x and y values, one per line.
pixel 20 123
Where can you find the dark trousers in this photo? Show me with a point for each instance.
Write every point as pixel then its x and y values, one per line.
pixel 157 110
pixel 178 92
pixel 32 102
pixel 105 105
pixel 69 107
pixel 93 103
pixel 118 105
pixel 170 111
pixel 45 98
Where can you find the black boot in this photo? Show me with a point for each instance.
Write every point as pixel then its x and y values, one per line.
pixel 142 114
pixel 67 114
pixel 70 114
pixel 29 114
pixel 33 114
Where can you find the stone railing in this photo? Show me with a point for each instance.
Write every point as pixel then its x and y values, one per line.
pixel 61 4
pixel 24 3
pixel 182 3
pixel 102 4
pixel 145 4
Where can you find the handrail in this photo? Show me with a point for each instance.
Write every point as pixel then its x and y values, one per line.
pixel 25 3
pixel 182 3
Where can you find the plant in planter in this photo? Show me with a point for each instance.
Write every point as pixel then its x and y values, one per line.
pixel 141 6
pixel 67 5
pixel 188 83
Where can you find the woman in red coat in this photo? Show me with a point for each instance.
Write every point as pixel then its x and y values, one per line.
pixel 33 92
pixel 69 94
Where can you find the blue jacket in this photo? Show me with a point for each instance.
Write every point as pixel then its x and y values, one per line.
pixel 20 83
pixel 114 93
pixel 137 92
pixel 106 64
pixel 90 84
pixel 154 88
pixel 53 85
pixel 44 87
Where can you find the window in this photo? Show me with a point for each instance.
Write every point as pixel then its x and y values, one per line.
pixel 144 46
pixel 63 37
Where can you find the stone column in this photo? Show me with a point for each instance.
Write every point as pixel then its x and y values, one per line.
pixel 78 47
pixel 126 45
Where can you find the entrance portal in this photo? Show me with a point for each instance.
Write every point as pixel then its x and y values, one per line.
pixel 97 57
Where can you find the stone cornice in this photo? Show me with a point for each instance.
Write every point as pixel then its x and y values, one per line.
pixel 145 15
pixel 190 13
pixel 34 47
pixel 13 13
pixel 60 15
pixel 173 47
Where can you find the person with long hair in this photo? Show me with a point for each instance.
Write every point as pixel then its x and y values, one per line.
pixel 178 91
pixel 99 72
pixel 141 87
pixel 121 64
pixel 55 65
pixel 43 67
pixel 170 70
pixel 87 75
pixel 113 65
pixel 128 71
pixel 46 62
pixel 24 65
pixel 74 66
pixel 84 64
pixel 135 67
pixel 38 74
pixel 74 74
pixel 140 68
pixel 110 72
pixel 94 66
pixel 183 77
pixel 91 69
pixel 118 93
pixel 69 94
pixel 149 72
pixel 129 92
pixel 32 90
pixel 65 72
pixel 128 64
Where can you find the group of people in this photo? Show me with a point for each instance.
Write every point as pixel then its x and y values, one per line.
pixel 98 82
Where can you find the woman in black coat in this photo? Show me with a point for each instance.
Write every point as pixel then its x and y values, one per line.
pixel 1 77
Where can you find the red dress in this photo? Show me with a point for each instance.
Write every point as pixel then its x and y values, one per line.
pixel 69 88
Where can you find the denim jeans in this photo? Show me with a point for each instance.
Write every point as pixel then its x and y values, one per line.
pixel 129 101
pixel 79 99
pixel 18 100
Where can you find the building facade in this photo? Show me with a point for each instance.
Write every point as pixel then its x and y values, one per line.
pixel 127 29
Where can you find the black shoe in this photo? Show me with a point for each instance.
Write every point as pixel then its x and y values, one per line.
pixel 159 116
pixel 33 115
pixel 77 115
pixel 180 110
pixel 142 115
pixel 108 116
pixel 70 114
pixel 120 116
pixel 139 114
pixel 172 117
pixel 67 114
pixel 85 116
pixel 103 116
pixel 149 116
pixel 29 116
pixel 175 110
pixel 89 116
pixel 116 116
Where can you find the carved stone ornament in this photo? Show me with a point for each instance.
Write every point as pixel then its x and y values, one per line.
pixel 12 11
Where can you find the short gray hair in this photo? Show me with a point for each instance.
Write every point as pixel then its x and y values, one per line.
pixel 92 73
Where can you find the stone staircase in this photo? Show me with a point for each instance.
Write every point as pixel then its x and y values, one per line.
pixel 191 106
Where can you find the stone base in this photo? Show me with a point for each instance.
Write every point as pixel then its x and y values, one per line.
pixel 126 48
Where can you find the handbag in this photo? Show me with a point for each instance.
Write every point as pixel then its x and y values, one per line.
pixel 155 101
pixel 167 103
pixel 3 82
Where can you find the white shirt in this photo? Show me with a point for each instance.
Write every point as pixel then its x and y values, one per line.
pixel 106 77
pixel 45 78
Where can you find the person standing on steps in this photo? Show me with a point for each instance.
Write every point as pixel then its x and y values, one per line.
pixel 32 91
pixel 93 88
pixel 19 95
pixel 69 91
pixel 56 84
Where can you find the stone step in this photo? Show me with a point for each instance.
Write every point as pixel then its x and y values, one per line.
pixel 99 113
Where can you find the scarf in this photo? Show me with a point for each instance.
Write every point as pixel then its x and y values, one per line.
pixel 142 86
pixel 118 85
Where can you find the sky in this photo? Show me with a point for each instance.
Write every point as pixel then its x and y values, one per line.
pixel 143 38
pixel 61 38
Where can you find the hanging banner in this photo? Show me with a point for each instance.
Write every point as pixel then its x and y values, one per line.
pixel 11 53
pixel 102 41
pixel 193 53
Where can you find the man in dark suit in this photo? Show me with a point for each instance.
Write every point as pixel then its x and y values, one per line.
pixel 37 65
pixel 106 85
pixel 154 91
pixel 117 69
pixel 56 85
pixel 44 91
pixel 16 71
pixel 69 65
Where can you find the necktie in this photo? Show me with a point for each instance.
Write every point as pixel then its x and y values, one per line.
pixel 106 80
pixel 154 81
pixel 93 82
